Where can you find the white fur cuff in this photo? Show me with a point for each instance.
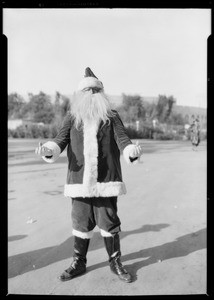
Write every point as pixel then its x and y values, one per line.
pixel 126 152
pixel 55 149
pixel 105 233
pixel 100 189
pixel 83 235
pixel 89 82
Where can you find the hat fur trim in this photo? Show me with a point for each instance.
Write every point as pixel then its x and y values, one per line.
pixel 89 82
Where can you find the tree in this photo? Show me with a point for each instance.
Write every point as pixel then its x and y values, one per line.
pixel 132 108
pixel 57 109
pixel 65 106
pixel 40 109
pixel 164 108
pixel 15 105
pixel 61 107
pixel 171 102
pixel 177 119
pixel 150 109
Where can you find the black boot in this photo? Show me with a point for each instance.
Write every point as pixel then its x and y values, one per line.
pixel 78 266
pixel 112 245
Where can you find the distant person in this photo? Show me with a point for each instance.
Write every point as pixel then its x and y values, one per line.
pixel 94 135
pixel 195 132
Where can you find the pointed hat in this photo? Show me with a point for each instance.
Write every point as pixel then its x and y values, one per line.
pixel 89 80
pixel 89 73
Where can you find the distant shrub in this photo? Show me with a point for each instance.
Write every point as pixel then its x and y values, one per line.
pixel 12 133
pixel 133 133
pixel 54 130
pixel 163 136
pixel 147 132
pixel 45 131
pixel 33 131
pixel 21 132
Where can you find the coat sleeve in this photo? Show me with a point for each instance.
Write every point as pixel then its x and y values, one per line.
pixel 62 139
pixel 120 133
pixel 123 141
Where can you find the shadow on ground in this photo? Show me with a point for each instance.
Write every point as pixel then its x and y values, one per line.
pixel 28 261
pixel 16 237
pixel 182 246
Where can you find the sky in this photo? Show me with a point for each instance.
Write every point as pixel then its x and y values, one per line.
pixel 149 52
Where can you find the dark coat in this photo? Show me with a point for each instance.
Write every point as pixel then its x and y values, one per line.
pixel 93 153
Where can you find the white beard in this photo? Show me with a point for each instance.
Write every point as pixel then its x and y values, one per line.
pixel 87 107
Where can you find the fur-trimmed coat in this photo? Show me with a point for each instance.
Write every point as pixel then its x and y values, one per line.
pixel 93 153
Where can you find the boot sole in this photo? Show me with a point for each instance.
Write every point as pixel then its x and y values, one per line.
pixel 124 280
pixel 127 281
pixel 69 278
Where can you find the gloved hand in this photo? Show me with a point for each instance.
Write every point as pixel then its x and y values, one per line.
pixel 43 151
pixel 136 151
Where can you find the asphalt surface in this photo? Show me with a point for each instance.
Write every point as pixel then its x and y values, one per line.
pixel 163 215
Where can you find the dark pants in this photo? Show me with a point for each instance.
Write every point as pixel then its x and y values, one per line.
pixel 89 212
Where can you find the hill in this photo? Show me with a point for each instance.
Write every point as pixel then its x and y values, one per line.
pixel 183 110
pixel 190 110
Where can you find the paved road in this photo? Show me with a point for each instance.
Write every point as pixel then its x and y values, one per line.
pixel 163 217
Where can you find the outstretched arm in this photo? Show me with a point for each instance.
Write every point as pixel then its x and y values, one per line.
pixel 50 151
pixel 130 151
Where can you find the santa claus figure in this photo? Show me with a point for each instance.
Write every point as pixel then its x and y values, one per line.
pixel 95 136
